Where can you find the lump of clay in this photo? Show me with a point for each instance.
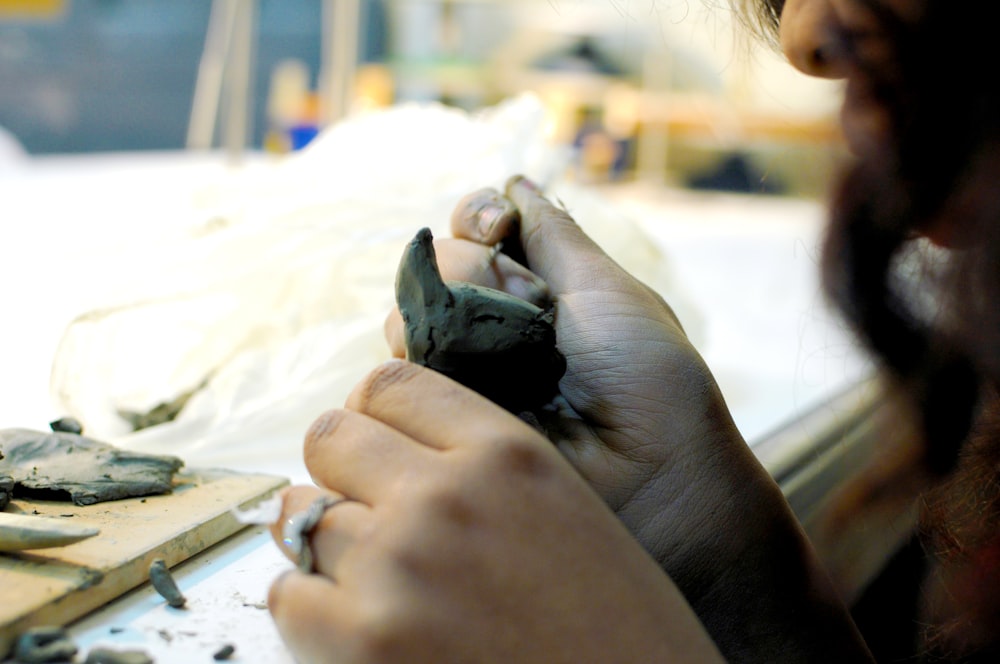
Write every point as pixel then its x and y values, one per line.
pixel 163 582
pixel 6 488
pixel 109 656
pixel 44 644
pixel 162 413
pixel 67 424
pixel 498 345
pixel 23 532
pixel 52 465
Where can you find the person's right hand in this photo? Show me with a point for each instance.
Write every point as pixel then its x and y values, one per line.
pixel 642 419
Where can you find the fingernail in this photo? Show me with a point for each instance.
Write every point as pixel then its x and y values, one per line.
pixel 488 216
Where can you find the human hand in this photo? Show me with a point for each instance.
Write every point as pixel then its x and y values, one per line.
pixel 641 418
pixel 639 414
pixel 465 538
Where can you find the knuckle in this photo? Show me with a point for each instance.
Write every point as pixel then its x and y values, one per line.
pixel 521 457
pixel 320 433
pixel 380 381
pixel 450 506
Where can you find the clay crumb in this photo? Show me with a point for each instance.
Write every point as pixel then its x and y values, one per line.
pixel 109 656
pixel 44 644
pixel 164 584
pixel 67 425
pixel 225 652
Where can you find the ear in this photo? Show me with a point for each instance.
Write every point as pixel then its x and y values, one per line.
pixel 419 285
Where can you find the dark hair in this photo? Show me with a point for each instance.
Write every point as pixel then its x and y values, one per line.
pixel 939 170
pixel 939 167
pixel 936 326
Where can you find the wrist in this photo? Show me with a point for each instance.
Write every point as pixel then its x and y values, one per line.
pixel 738 555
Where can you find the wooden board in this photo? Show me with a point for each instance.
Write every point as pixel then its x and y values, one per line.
pixel 56 586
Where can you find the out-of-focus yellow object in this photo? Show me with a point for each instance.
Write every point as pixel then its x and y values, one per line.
pixel 31 8
pixel 374 87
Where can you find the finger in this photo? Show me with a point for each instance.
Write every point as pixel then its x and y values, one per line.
pixel 461 260
pixel 485 217
pixel 360 457
pixel 312 616
pixel 394 333
pixel 556 248
pixel 398 393
pixel 336 533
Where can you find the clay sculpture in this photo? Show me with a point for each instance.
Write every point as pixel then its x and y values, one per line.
pixel 54 465
pixel 498 345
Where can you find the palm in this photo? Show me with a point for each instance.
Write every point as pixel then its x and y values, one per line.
pixel 635 392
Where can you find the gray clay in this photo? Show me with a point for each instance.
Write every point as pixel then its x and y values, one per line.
pixel 21 532
pixel 161 413
pixel 67 424
pixel 109 656
pixel 6 490
pixel 44 644
pixel 51 465
pixel 164 584
pixel 499 345
pixel 224 653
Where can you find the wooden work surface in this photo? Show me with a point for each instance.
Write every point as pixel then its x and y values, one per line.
pixel 56 586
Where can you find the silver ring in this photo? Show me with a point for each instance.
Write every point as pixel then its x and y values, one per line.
pixel 298 527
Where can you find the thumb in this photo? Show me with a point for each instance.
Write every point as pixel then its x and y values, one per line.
pixel 556 248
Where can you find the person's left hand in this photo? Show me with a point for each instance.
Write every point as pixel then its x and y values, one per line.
pixel 466 536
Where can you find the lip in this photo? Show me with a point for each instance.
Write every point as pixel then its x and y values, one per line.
pixel 864 119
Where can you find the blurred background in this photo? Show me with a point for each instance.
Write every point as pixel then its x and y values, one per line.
pixel 666 90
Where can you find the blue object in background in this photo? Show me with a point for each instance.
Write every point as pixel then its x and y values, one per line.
pixel 120 74
pixel 302 135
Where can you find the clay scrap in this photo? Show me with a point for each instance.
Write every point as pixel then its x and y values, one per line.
pixel 162 413
pixel 6 489
pixel 44 644
pixel 60 464
pixel 110 656
pixel 163 582
pixel 21 532
pixel 67 424
pixel 498 345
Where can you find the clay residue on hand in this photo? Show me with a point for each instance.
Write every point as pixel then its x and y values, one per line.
pixel 52 465
pixel 498 345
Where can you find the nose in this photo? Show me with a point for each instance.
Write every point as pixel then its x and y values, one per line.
pixel 812 37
